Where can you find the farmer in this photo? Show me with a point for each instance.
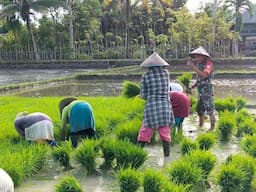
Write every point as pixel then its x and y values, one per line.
pixel 203 67
pixel 35 127
pixel 180 104
pixel 79 115
pixel 6 183
pixel 158 112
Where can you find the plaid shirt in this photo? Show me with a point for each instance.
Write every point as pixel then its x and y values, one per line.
pixel 154 89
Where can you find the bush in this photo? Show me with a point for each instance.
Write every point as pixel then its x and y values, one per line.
pixel 130 89
pixel 68 184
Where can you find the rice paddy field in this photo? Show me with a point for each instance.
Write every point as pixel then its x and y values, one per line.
pixel 222 160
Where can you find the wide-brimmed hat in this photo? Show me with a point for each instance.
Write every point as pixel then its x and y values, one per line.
pixel 199 51
pixel 154 60
pixel 176 87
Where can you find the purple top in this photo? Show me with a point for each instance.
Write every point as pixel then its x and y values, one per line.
pixel 22 122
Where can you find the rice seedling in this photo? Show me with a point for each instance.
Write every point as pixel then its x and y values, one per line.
pixel 240 103
pixel 128 130
pixel 153 181
pixel 130 89
pixel 185 80
pixel 205 141
pixel 62 154
pixel 225 125
pixel 184 172
pixel 68 184
pixel 129 180
pixel 188 145
pixel 205 160
pixel 108 149
pixel 129 155
pixel 237 173
pixel 86 154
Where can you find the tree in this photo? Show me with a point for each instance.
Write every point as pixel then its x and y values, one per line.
pixel 23 9
pixel 238 7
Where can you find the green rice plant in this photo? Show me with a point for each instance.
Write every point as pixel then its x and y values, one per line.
pixel 129 180
pixel 185 79
pixel 205 141
pixel 248 144
pixel 230 178
pixel 188 145
pixel 128 130
pixel 241 116
pixel 246 164
pixel 62 154
pixel 129 155
pixel 184 172
pixel 177 137
pixel 86 154
pixel 237 173
pixel 193 103
pixel 130 89
pixel 227 104
pixel 108 149
pixel 240 103
pixel 205 160
pixel 247 127
pixel 68 184
pixel 153 181
pixel 225 125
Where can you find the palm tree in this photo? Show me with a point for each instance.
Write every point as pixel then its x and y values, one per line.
pixel 23 8
pixel 238 7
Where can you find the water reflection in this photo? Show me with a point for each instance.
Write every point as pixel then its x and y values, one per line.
pixel 222 89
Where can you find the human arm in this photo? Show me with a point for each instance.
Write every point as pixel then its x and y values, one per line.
pixel 203 74
pixel 64 122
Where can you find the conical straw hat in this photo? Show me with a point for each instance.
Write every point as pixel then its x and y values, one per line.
pixel 199 51
pixel 154 60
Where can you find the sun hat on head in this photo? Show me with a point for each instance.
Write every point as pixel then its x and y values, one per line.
pixel 154 60
pixel 64 102
pixel 199 51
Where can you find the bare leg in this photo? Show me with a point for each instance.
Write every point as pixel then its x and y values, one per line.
pixel 201 121
pixel 212 120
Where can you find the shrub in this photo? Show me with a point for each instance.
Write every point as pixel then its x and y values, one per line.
pixel 130 89
pixel 129 180
pixel 205 141
pixel 68 184
pixel 62 154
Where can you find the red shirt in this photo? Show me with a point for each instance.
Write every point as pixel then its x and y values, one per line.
pixel 180 104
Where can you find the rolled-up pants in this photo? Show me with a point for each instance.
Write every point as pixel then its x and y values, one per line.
pixel 145 133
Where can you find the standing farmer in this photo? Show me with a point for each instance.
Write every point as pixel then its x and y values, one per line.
pixel 158 112
pixel 204 71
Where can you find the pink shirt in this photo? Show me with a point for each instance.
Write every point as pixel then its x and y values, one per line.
pixel 180 104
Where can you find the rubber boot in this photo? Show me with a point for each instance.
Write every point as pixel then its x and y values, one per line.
pixel 141 144
pixel 166 148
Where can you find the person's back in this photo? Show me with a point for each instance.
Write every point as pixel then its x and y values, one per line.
pixel 180 104
pixel 35 127
pixel 6 183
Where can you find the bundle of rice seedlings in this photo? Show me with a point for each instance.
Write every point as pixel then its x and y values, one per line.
pixel 130 89
pixel 68 183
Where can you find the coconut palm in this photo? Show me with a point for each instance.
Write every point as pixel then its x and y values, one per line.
pixel 23 9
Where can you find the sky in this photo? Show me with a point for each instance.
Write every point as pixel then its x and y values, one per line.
pixel 194 5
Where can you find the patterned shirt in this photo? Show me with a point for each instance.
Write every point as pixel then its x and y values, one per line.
pixel 154 89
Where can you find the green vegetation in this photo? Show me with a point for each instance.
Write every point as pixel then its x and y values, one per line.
pixel 68 184
pixel 129 180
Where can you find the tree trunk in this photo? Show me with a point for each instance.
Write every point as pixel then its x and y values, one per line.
pixel 71 29
pixel 127 28
pixel 36 54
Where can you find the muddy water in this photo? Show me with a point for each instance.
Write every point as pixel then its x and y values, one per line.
pixel 222 88
pixel 107 182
